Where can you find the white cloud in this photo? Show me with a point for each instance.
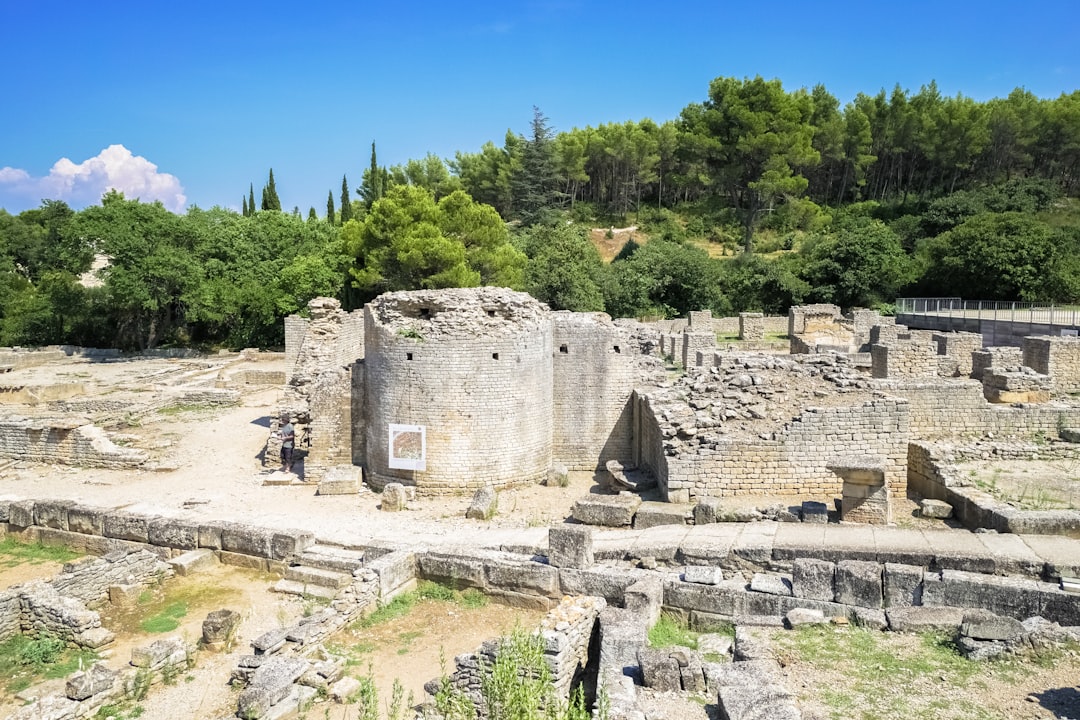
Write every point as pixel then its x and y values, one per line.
pixel 114 168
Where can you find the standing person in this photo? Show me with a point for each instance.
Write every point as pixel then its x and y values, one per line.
pixel 287 433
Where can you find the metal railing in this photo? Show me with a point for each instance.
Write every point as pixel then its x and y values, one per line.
pixel 996 310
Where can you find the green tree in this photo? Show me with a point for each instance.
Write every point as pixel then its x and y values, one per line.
pixel 535 185
pixel 754 139
pixel 408 241
pixel 251 199
pixel 862 264
pixel 346 202
pixel 270 200
pixel 564 268
pixel 373 184
pixel 664 278
pixel 330 214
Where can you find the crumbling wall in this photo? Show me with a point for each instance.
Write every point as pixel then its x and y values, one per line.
pixel 1058 357
pixel 89 578
pixel 917 357
pixel 473 367
pixel 751 326
pixel 593 376
pixel 65 440
pixel 958 346
pixel 794 462
pixel 998 356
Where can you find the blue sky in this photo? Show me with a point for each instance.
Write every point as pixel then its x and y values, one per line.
pixel 190 102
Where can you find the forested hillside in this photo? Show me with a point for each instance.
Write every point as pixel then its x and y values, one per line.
pixel 755 198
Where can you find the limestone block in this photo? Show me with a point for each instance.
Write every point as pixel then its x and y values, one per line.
pixel 193 561
pixel 242 560
pixel 920 619
pixel 219 626
pixel 703 574
pixel 124 594
pixel 157 653
pixel 394 570
pixel 484 503
pixel 645 598
pixel 126 526
pixel 21 513
pixel 715 644
pixel 94 638
pixel 341 480
pixel 526 577
pixel 804 616
pixel 707 511
pixel 651 514
pixel 815 512
pixel 52 513
pixel 608 583
pixel 985 625
pixel 728 598
pixel 858 582
pixel 344 689
pixel 317 576
pixel 1014 597
pixel 98 679
pixel 903 585
pixel 659 670
pixel 210 534
pixel 270 684
pixel 606 510
pixel 570 546
pixel 246 539
pixel 812 579
pixel 50 707
pixel 86 520
pixel 622 635
pixel 771 584
pixel 464 570
pixel 690 671
pixel 290 542
pixel 173 533
pixel 935 509
pixel 752 643
pixel 393 498
pixel 558 476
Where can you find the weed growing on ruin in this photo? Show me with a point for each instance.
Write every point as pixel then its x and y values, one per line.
pixel 119 711
pixel 13 552
pixel 670 631
pixel 411 333
pixel 25 660
pixel 426 590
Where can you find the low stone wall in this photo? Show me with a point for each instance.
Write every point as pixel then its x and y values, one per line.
pixel 65 440
pixel 929 475
pixel 1058 357
pixel 567 632
pixel 88 579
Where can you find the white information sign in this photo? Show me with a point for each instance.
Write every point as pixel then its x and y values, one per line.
pixel 408 447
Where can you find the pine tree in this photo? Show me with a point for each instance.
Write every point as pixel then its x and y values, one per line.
pixel 535 185
pixel 251 199
pixel 374 182
pixel 244 211
pixel 330 206
pixel 346 203
pixel 311 214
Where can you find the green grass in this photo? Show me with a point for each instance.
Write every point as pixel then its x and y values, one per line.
pixel 167 619
pixel 25 661
pixel 13 552
pixel 877 673
pixel 400 606
pixel 178 408
pixel 669 631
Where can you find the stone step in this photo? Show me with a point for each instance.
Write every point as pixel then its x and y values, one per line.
pixel 317 576
pixel 193 561
pixel 292 587
pixel 328 557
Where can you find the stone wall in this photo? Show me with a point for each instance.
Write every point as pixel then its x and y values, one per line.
pixel 751 326
pixel 792 463
pixel 917 357
pixel 593 375
pixel 957 408
pixel 89 578
pixel 473 367
pixel 959 347
pixel 295 332
pixel 1058 357
pixel 695 344
pixel 998 356
pixel 65 440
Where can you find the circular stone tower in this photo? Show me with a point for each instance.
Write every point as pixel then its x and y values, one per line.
pixel 457 389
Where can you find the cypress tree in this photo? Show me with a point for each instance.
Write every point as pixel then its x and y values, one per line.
pixel 251 199
pixel 272 202
pixel 244 211
pixel 265 199
pixel 311 214
pixel 346 203
pixel 330 206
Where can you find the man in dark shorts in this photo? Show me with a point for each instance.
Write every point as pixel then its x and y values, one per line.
pixel 287 433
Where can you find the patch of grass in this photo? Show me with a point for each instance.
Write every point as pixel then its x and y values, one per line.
pixel 25 661
pixel 13 552
pixel 167 619
pixel 670 631
pixel 178 408
pixel 399 606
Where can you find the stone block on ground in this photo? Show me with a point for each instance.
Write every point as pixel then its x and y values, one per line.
pixel 340 480
pixel 804 616
pixel 935 509
pixel 158 653
pixel 570 546
pixel 812 579
pixel 318 576
pixel 219 627
pixel 651 514
pixel 858 582
pixel 394 498
pixel 715 644
pixel 193 561
pixel 659 670
pixel 606 510
pixel 395 570
pixel 94 638
pixel 771 584
pixel 920 619
pixel 985 625
pixel 703 574
pixel 903 585
pixel 707 511
pixel 271 683
pixel 645 598
pixel 98 679
pixel 484 503
pixel 344 689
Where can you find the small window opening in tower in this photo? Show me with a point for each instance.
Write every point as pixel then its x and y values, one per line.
pixel 408 356
pixel 494 356
pixel 425 312
pixel 563 349
pixel 617 350
pixel 491 313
